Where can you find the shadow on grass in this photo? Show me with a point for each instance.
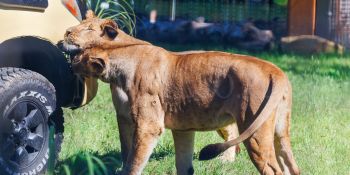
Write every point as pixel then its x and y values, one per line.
pixel 84 163
pixel 335 71
pixel 161 154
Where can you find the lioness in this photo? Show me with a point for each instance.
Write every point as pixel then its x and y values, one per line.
pixel 154 89
pixel 310 44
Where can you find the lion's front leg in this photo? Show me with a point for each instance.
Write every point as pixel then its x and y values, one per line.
pixel 149 125
pixel 184 142
pixel 143 144
pixel 126 132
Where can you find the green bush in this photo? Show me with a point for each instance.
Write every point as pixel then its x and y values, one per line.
pixel 120 11
pixel 87 163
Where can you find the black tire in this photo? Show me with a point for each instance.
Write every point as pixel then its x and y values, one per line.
pixel 27 100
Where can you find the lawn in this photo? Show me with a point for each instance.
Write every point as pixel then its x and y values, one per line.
pixel 320 123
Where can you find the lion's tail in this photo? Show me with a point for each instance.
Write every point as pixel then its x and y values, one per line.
pixel 276 94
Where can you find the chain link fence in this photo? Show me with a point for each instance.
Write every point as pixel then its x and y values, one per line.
pixel 214 10
pixel 340 21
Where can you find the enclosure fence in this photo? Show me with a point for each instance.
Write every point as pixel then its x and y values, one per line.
pixel 340 21
pixel 214 10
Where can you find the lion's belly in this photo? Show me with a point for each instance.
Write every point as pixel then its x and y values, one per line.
pixel 199 121
pixel 202 112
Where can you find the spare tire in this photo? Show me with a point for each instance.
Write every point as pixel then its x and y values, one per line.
pixel 27 100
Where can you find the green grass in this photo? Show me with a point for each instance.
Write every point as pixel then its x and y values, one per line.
pixel 320 123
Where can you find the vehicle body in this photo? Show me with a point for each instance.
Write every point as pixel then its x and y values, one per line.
pixel 31 65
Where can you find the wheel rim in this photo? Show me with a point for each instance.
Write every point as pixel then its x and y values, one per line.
pixel 25 136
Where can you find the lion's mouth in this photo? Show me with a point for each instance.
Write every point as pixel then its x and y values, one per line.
pixel 76 60
pixel 70 48
pixel 76 67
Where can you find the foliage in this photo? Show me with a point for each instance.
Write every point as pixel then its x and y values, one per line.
pixel 87 163
pixel 281 2
pixel 52 152
pixel 118 10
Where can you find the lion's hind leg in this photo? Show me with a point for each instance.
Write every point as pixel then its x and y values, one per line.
pixel 260 147
pixel 229 132
pixel 282 139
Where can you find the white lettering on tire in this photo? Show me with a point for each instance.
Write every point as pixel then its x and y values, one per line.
pixel 42 99
pixel 34 94
pixel 49 109
pixel 33 172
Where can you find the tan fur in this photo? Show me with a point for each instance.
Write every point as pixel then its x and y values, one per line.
pixel 154 89
pixel 310 44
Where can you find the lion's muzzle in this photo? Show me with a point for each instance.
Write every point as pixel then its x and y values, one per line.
pixel 69 48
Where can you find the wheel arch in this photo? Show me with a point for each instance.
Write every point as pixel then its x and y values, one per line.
pixel 41 56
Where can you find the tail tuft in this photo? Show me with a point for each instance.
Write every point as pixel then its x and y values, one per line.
pixel 211 151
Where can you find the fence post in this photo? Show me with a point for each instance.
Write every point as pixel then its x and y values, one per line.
pixel 301 17
pixel 324 15
pixel 173 10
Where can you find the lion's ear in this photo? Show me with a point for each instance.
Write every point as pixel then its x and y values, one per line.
pixel 90 14
pixel 110 30
pixel 97 64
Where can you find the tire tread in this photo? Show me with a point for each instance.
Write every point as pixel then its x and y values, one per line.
pixel 10 74
pixel 11 77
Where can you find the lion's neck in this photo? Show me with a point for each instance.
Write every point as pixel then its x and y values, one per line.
pixel 125 62
pixel 125 40
pixel 124 55
pixel 121 72
pixel 130 39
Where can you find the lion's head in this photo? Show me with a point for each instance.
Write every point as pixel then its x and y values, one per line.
pixel 91 63
pixel 90 41
pixel 90 33
pixel 83 42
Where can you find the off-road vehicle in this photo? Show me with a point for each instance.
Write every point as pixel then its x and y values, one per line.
pixel 36 80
